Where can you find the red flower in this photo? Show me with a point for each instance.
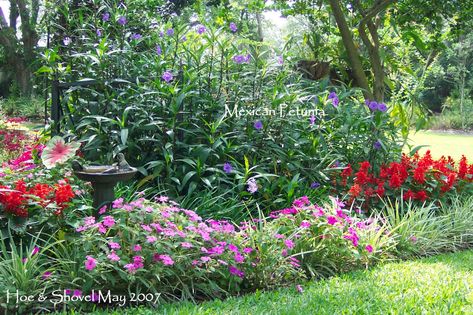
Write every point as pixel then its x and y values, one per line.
pixel 409 194
pixel 463 167
pixel 421 195
pixel 355 190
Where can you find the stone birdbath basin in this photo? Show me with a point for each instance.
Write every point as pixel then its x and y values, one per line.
pixel 104 182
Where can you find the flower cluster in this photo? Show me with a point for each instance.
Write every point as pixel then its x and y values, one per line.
pixel 143 238
pixel 418 178
pixel 18 198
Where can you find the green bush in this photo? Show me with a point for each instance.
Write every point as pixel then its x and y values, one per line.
pixel 22 107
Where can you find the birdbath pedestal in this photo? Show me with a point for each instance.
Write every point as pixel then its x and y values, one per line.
pixel 104 183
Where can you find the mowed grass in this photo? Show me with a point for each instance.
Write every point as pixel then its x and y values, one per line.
pixel 436 285
pixel 446 144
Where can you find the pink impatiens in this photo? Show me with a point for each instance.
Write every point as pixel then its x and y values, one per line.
pixel 90 263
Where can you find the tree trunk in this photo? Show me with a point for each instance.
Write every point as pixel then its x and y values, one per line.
pixel 260 26
pixel 352 51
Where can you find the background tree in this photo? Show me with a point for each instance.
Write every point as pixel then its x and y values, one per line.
pixel 19 51
pixel 362 25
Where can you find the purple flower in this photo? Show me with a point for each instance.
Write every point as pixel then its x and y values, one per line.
pixel 136 36
pixel 236 272
pixel 106 17
pixel 227 167
pixel 233 27
pixel 312 120
pixel 299 288
pixel 382 107
pixel 373 106
pixel 201 29
pixel 239 59
pixel 369 248
pixel 333 96
pixel 280 60
pixel 77 293
pixel 98 32
pixel 167 76
pixel 252 186
pixel 377 145
pixel 258 125
pixel 159 51
pixel 170 32
pixel 136 248
pixel 183 38
pixel 315 185
pixel 122 20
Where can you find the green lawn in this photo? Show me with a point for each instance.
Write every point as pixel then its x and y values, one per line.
pixel 437 285
pixel 444 144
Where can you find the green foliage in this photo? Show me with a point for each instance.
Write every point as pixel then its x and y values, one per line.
pixel 420 283
pixel 181 133
pixel 22 107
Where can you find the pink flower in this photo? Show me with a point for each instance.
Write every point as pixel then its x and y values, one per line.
pixel 108 221
pixel 117 203
pixel 35 251
pixel 46 275
pixel 102 229
pixel 136 248
pixel 236 272
pixel 331 220
pixel 299 288
pixel 162 199
pixel 103 210
pixel 77 293
pixel 289 244
pixel 369 248
pixel 247 250
pixel 205 259
pixel 239 258
pixel 233 248
pixel 90 263
pixel 186 245
pixel 113 256
pixel 114 245
pixel 151 239
pixel 305 224
pixel 167 260
pixel 279 236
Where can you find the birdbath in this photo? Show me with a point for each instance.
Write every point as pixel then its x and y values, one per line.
pixel 104 183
